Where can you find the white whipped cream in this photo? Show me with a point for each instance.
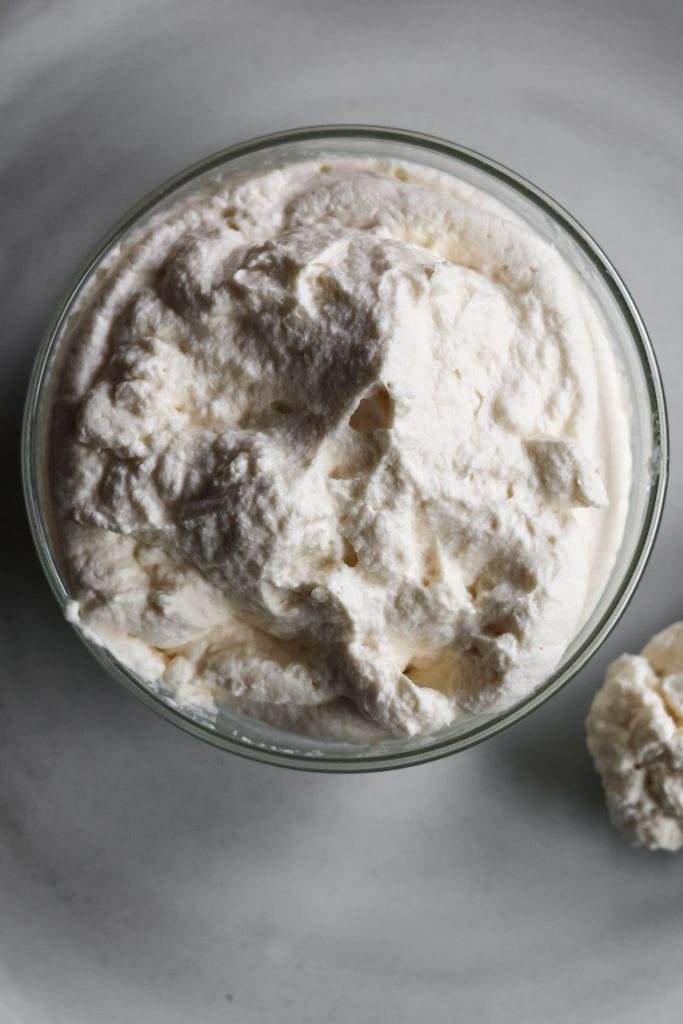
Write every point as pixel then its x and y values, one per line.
pixel 635 735
pixel 343 446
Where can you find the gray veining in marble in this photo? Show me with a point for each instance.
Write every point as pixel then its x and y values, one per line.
pixel 145 877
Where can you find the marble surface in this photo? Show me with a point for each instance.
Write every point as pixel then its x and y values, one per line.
pixel 146 877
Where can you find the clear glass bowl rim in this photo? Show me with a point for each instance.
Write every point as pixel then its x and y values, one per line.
pixel 31 452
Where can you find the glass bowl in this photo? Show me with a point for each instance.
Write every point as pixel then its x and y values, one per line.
pixel 649 440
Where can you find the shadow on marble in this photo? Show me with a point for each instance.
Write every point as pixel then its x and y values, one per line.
pixel 547 754
pixel 545 763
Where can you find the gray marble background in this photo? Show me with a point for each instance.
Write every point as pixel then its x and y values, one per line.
pixel 144 876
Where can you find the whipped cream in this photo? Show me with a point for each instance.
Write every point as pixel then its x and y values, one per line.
pixel 342 446
pixel 635 735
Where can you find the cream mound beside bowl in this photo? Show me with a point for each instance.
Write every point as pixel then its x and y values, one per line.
pixel 346 449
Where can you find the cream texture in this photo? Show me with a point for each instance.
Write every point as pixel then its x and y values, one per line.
pixel 341 446
pixel 635 735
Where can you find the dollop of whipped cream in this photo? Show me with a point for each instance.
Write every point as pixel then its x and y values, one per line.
pixel 635 735
pixel 341 446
